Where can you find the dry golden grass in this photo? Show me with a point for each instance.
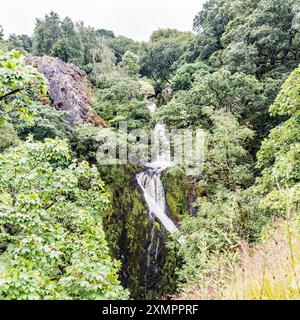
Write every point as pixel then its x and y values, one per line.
pixel 268 271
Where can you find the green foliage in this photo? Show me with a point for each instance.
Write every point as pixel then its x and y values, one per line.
pixel 220 221
pixel 8 136
pixel 120 45
pixel 279 154
pixel 19 42
pixel 103 64
pixel 161 53
pixel 169 34
pixel 253 36
pixel 47 123
pixel 120 99
pixel 19 84
pixel 58 38
pixel 89 40
pixel 52 242
pixel 130 63
pixel 68 47
pixel 269 29
pixel 239 57
pixel 258 38
pixel 231 209
pixel 105 34
pixel 85 142
pixel 46 34
pixel 237 93
pixel 187 74
pixel 227 164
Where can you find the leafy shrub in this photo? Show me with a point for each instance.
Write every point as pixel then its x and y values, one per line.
pixel 279 154
pixel 52 244
pixel 121 100
pixel 8 136
pixel 19 84
pixel 47 123
pixel 187 74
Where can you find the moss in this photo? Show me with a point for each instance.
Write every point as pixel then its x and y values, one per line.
pixel 177 189
pixel 128 231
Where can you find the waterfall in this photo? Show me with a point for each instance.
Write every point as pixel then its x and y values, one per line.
pixel 152 188
pixel 154 194
pixel 150 179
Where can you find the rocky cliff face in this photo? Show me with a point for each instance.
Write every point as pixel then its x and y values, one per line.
pixel 69 89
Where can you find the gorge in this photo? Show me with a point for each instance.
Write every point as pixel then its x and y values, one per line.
pixel 217 224
pixel 153 191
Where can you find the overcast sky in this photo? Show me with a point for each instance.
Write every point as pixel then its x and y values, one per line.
pixel 133 18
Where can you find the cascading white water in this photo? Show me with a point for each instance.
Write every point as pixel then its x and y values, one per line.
pixel 150 179
pixel 151 185
pixel 154 194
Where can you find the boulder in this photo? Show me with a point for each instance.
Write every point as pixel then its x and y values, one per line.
pixel 69 90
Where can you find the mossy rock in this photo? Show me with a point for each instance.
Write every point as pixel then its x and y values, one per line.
pixel 128 231
pixel 177 189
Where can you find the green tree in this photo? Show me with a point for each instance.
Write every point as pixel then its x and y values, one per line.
pixel 47 122
pixel 105 34
pixel 279 155
pixel 47 32
pixel 103 65
pixel 19 42
pixel 158 59
pixel 95 47
pixel 8 136
pixel 238 93
pixel 52 241
pixel 68 47
pixel 269 29
pixel 120 99
pixel 254 36
pixel 120 45
pixel 160 54
pixel 19 84
pixel 187 74
pixel 58 38
pixel 240 57
pixel 170 33
pixel 89 41
pixel 130 63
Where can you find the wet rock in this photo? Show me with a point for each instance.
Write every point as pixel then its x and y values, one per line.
pixel 193 209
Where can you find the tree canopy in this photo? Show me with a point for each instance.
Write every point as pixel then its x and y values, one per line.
pixel 19 84
pixel 50 215
pixel 71 228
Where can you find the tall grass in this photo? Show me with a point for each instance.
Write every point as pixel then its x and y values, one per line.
pixel 268 271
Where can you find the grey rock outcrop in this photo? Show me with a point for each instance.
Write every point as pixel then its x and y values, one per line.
pixel 69 89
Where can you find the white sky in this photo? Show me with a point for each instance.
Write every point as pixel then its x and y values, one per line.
pixel 133 18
